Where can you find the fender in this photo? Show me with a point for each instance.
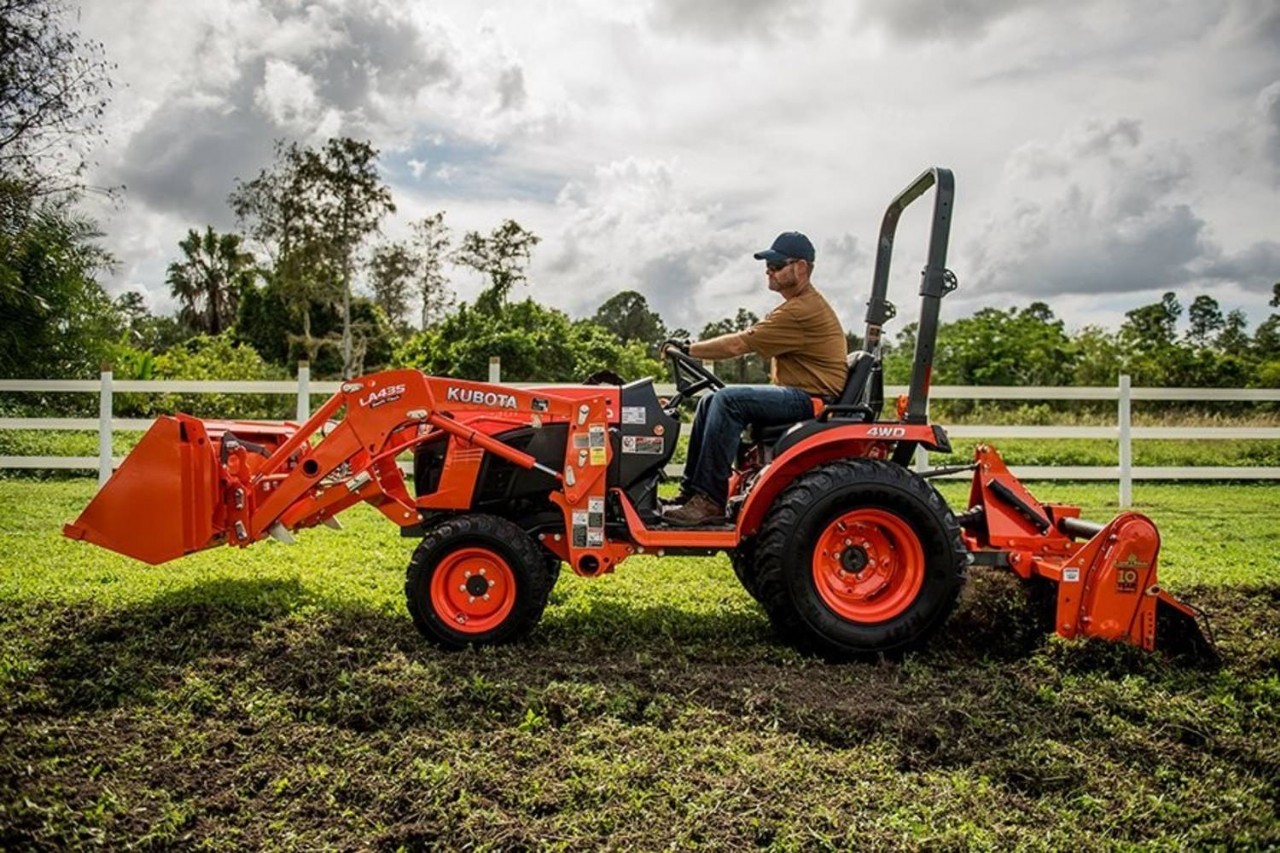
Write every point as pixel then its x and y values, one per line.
pixel 853 441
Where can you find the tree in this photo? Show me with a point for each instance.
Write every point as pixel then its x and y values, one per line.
pixel 258 325
pixel 502 257
pixel 209 280
pixel 1097 357
pixel 430 243
pixel 390 272
pixel 314 210
pixel 415 266
pixel 53 91
pixel 535 343
pixel 627 315
pixel 1233 339
pixel 1013 346
pixel 1206 319
pixel 58 321
pixel 1154 326
pixel 143 330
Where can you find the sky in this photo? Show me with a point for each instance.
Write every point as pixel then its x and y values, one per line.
pixel 1104 152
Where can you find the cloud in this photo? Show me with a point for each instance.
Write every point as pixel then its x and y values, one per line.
pixel 251 74
pixel 1096 212
pixel 1267 116
pixel 1255 268
pixel 632 226
pixel 724 20
pixel 958 20
pixel 1104 212
pixel 287 97
pixel 1100 149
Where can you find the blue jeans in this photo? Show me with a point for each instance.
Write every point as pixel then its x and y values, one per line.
pixel 718 425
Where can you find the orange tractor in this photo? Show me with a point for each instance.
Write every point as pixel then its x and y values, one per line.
pixel 846 548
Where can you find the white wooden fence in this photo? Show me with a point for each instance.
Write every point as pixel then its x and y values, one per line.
pixel 1123 431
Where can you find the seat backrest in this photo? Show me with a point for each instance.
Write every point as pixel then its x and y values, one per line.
pixel 855 383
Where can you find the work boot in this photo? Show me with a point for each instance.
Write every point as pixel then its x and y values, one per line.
pixel 679 500
pixel 698 511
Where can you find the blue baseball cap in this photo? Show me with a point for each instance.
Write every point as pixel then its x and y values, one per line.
pixel 790 246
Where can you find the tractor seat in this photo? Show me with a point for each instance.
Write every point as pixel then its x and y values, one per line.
pixel 855 383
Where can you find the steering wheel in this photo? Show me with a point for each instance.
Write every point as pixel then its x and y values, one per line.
pixel 690 375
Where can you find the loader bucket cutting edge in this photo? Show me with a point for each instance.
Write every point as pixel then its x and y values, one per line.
pixel 160 503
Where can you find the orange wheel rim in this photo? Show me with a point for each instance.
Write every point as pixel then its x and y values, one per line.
pixel 473 590
pixel 868 565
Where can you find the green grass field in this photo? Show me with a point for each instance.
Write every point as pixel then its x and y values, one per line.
pixel 278 697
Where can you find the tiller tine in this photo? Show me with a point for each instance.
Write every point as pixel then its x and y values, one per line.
pixel 1183 630
pixel 1106 586
pixel 170 496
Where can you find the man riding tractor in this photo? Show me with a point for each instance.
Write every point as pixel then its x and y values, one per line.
pixel 804 338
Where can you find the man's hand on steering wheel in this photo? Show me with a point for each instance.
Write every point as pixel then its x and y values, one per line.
pixel 673 343
pixel 690 375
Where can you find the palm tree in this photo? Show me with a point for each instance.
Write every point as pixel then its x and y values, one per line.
pixel 209 279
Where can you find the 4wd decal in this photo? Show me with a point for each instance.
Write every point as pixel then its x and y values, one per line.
pixel 383 396
pixel 492 399
pixel 886 432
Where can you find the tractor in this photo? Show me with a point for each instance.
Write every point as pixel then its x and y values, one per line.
pixel 847 549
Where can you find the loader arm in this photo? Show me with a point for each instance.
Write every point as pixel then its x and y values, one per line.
pixel 204 486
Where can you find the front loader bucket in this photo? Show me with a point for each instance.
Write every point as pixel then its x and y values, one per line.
pixel 162 501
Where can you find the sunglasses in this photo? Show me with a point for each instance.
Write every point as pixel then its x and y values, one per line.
pixel 776 266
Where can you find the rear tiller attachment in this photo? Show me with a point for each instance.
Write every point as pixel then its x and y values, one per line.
pixel 1105 575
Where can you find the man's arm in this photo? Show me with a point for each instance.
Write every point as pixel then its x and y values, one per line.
pixel 731 345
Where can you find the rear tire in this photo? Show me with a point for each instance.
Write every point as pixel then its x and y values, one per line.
pixel 476 580
pixel 742 559
pixel 859 557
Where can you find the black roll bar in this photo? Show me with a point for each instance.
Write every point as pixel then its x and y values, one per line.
pixel 936 281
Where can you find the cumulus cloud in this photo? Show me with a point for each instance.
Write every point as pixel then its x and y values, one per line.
pixel 959 20
pixel 253 74
pixel 722 20
pixel 654 146
pixel 1103 211
pixel 631 226
pixel 1267 115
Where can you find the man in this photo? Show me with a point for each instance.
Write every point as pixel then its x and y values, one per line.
pixel 807 344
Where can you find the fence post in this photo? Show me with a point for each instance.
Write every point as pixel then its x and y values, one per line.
pixel 304 391
pixel 1126 445
pixel 495 369
pixel 105 408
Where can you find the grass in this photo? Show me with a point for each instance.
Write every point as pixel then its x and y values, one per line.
pixel 1094 452
pixel 279 698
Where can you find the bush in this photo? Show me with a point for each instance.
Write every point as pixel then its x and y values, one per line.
pixel 201 358
pixel 535 344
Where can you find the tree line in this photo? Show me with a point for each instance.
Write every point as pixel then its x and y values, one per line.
pixel 308 274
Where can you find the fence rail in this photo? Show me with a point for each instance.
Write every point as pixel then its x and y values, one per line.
pixel 1123 431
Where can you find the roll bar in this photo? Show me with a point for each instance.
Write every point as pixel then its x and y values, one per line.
pixel 936 281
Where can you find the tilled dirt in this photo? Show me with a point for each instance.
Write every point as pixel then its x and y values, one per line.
pixel 282 727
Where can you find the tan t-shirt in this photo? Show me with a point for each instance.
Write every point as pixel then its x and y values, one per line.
pixel 806 342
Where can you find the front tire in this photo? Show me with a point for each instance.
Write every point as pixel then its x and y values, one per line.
pixel 859 557
pixel 476 580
